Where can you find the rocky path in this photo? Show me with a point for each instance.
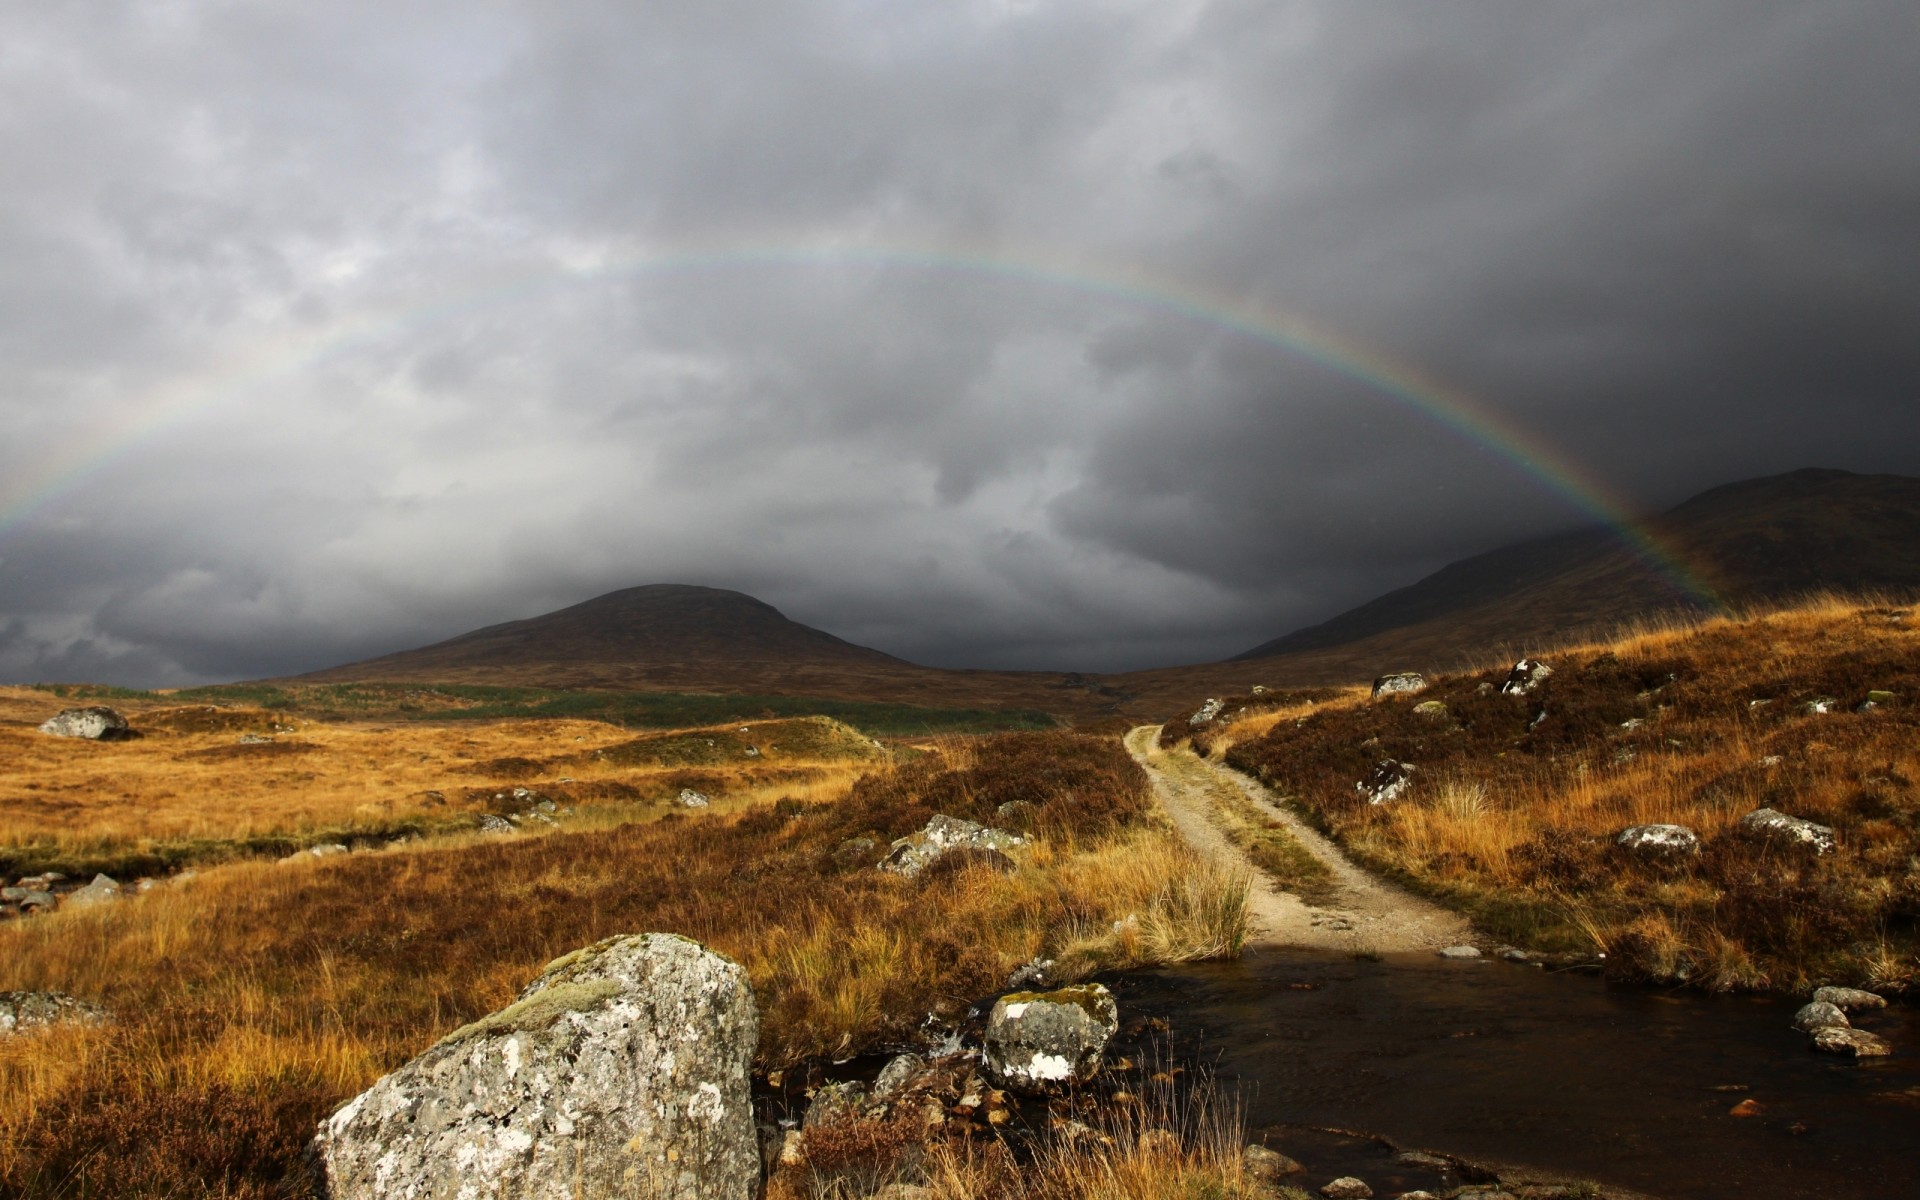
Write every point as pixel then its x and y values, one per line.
pixel 1364 914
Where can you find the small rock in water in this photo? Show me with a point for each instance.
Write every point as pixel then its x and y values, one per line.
pixel 1848 999
pixel 916 852
pixel 1420 1158
pixel 1460 952
pixel 1747 1108
pixel 1268 1165
pixel 1854 1043
pixel 1347 1188
pixel 1045 1042
pixel 1819 1015
pixel 96 723
pixel 1399 683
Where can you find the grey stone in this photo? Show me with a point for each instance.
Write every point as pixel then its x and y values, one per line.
pixel 692 799
pixel 1852 1043
pixel 1848 999
pixel 1658 841
pixel 1347 1188
pixel 1390 777
pixel 100 891
pixel 1767 824
pixel 94 723
pixel 901 1070
pixel 1527 674
pixel 1400 683
pixel 1459 952
pixel 621 1071
pixel 1819 1015
pixel 1207 711
pixel 489 823
pixel 1268 1165
pixel 24 1012
pixel 36 899
pixel 1034 974
pixel 911 855
pixel 1045 1042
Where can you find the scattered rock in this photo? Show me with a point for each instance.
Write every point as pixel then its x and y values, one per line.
pixel 100 891
pixel 834 1102
pixel 1459 952
pixel 1819 705
pixel 1658 841
pixel 1347 1188
pixel 326 850
pixel 96 723
pixel 1390 777
pixel 1207 711
pixel 1420 1158
pixel 1432 710
pixel 1633 723
pixel 1268 1165
pixel 1853 1043
pixel 1042 1042
pixel 692 799
pixel 1527 674
pixel 943 834
pixel 621 1071
pixel 1848 999
pixel 1036 974
pixel 1769 825
pixel 1514 954
pixel 1819 1015
pixel 897 1074
pixel 489 823
pixel 1399 683
pixel 1878 697
pixel 24 1012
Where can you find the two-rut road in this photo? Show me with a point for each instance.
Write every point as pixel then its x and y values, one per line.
pixel 1361 914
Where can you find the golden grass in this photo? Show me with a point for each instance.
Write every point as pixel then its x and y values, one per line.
pixel 1688 721
pixel 261 995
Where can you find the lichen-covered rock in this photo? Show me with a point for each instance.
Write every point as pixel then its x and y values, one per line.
pixel 24 1012
pixel 1207 711
pixel 692 799
pixel 1045 1042
pixel 620 1072
pixel 900 1071
pixel 1347 1188
pixel 1852 1043
pixel 95 723
pixel 1527 674
pixel 916 852
pixel 1399 683
pixel 1432 710
pixel 488 823
pixel 1819 1015
pixel 1389 778
pixel 1848 999
pixel 1658 841
pixel 1770 825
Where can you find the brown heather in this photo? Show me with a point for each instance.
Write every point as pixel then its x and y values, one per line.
pixel 1514 821
pixel 254 998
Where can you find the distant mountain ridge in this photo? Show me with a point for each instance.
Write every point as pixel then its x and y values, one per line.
pixel 1754 542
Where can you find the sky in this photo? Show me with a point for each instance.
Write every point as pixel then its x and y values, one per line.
pixel 1067 335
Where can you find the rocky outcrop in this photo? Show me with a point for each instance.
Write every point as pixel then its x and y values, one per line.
pixel 1658 841
pixel 1042 1043
pixel 1389 778
pixel 24 1012
pixel 96 723
pixel 914 853
pixel 1399 683
pixel 1527 675
pixel 621 1071
pixel 1766 824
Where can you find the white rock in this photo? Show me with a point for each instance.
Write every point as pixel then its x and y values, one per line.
pixel 942 835
pixel 1658 841
pixel 1389 778
pixel 95 723
pixel 1527 674
pixel 1768 824
pixel 1399 683
pixel 1045 1042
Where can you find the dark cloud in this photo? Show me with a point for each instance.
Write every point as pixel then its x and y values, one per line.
pixel 325 331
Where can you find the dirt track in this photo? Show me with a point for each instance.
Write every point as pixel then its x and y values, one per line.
pixel 1364 913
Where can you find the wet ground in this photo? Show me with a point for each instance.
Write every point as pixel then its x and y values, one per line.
pixel 1513 1065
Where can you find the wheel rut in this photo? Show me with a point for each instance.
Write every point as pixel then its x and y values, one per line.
pixel 1360 913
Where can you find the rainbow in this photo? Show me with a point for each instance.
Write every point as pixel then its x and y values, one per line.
pixel 91 451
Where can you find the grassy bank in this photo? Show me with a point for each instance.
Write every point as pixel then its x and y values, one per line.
pixel 254 998
pixel 1515 800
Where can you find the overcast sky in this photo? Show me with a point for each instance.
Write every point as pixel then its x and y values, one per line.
pixel 332 329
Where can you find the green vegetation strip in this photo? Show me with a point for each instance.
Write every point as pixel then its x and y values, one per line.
pixel 634 710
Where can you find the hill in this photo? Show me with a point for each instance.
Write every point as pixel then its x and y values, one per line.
pixel 1756 543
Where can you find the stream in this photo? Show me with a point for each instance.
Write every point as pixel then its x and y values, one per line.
pixel 1505 1064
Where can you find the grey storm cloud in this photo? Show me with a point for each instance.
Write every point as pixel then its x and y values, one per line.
pixel 326 330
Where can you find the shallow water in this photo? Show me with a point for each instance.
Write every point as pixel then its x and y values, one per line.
pixel 1508 1064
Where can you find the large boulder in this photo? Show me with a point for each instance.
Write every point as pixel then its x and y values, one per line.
pixel 1658 841
pixel 620 1072
pixel 1399 683
pixel 1045 1042
pixel 943 835
pixel 1769 825
pixel 24 1012
pixel 95 723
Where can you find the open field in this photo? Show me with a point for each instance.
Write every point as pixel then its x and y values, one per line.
pixel 1514 800
pixel 254 997
pixel 190 790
